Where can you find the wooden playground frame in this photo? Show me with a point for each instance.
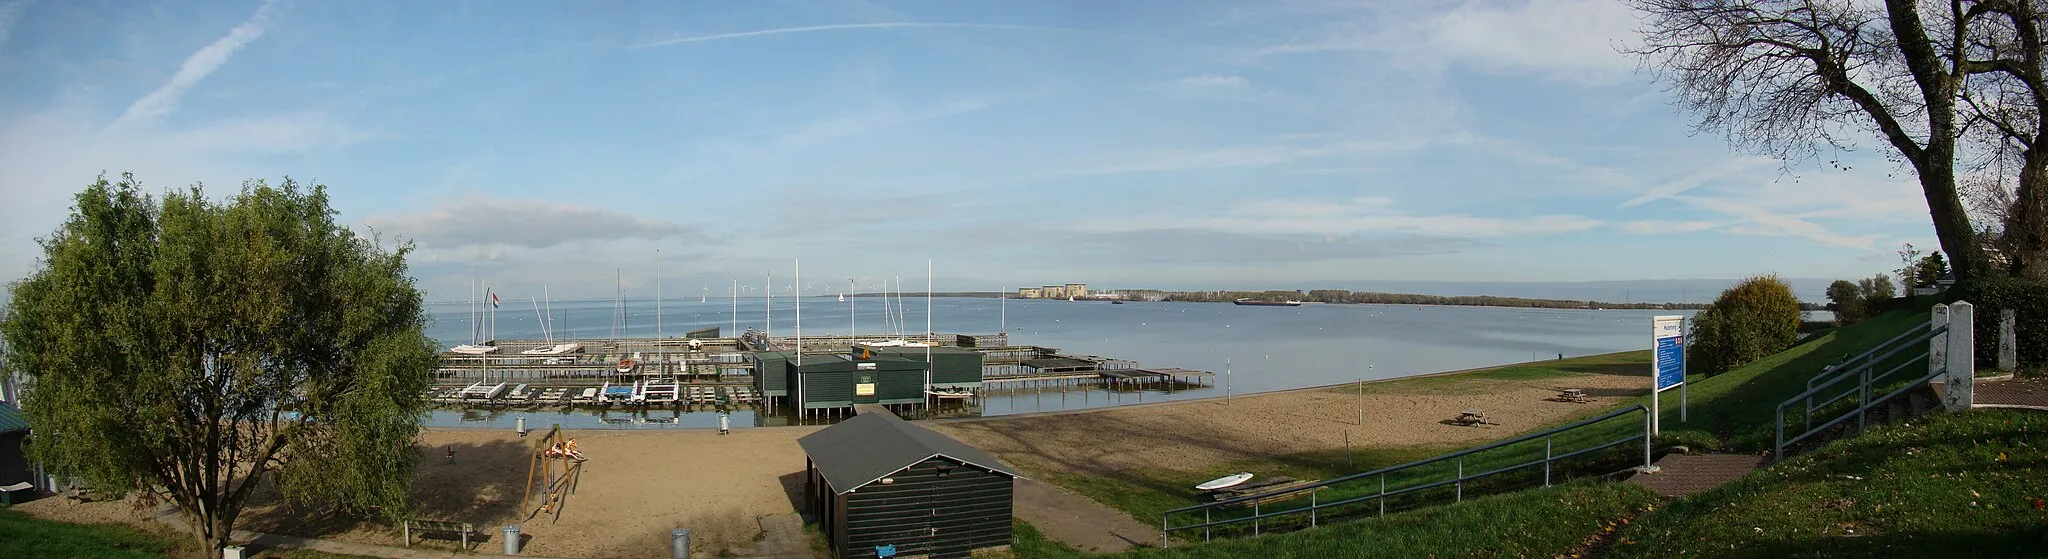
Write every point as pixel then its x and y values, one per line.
pixel 560 466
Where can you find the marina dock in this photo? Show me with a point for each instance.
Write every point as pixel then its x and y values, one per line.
pixel 721 371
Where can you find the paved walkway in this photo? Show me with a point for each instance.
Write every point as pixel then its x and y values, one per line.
pixel 257 541
pixel 1679 475
pixel 1078 521
pixel 2011 393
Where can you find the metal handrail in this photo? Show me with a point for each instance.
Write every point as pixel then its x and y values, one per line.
pixel 1166 529
pixel 1844 368
pixel 1864 383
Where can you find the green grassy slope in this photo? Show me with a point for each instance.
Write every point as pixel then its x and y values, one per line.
pixel 1732 411
pixel 1946 485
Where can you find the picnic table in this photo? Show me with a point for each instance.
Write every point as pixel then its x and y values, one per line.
pixel 1471 417
pixel 1573 395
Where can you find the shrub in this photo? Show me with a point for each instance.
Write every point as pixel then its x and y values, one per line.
pixel 1756 318
pixel 2028 298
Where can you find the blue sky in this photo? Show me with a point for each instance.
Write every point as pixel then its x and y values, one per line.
pixel 1123 144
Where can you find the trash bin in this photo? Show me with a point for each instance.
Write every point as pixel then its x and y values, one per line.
pixel 521 429
pixel 679 543
pixel 233 552
pixel 511 539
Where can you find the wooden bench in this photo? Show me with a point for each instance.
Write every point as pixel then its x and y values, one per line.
pixel 461 529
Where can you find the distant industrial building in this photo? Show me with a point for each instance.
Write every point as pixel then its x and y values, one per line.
pixel 1073 290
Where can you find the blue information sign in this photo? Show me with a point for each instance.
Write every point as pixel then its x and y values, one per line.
pixel 1670 362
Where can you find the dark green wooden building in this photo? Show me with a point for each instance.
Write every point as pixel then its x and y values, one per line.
pixel 877 481
pixel 16 478
pixel 832 381
pixel 952 367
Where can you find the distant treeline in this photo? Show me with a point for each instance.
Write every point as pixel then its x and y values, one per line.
pixel 1348 296
pixel 1341 296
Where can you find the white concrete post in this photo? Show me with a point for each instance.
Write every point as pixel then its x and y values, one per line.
pixel 1937 347
pixel 2008 340
pixel 1962 357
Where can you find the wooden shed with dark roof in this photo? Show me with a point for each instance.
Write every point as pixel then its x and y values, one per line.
pixel 879 485
pixel 14 468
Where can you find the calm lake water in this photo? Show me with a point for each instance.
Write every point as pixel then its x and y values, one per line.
pixel 1262 348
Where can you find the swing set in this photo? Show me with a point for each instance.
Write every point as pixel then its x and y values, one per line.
pixel 559 466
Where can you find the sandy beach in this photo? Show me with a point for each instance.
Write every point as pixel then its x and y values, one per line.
pixel 639 484
pixel 635 487
pixel 1202 436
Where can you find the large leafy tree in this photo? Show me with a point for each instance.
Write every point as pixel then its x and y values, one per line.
pixel 194 349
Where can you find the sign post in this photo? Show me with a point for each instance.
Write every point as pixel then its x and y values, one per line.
pixel 1667 366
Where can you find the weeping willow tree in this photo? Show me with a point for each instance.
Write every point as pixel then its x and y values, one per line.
pixel 192 350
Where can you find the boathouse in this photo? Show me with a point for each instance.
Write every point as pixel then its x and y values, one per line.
pixel 876 481
pixel 16 479
pixel 952 367
pixel 840 380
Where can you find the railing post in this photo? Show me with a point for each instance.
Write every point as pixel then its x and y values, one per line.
pixel 1778 449
pixel 1461 479
pixel 1546 460
pixel 1311 508
pixel 1648 465
pixel 1205 525
pixel 1255 518
pixel 1162 530
pixel 1383 495
pixel 1863 401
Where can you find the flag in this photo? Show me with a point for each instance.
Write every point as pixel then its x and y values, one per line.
pixel 494 300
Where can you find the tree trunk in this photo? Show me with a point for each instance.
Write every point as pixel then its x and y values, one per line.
pixel 1951 220
pixel 2026 225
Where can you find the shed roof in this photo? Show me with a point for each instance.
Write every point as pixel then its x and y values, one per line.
pixel 870 446
pixel 11 419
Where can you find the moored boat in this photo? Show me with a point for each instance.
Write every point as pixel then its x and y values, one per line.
pixel 1249 302
pixel 1225 481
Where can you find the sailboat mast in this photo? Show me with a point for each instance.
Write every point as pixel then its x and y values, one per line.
pixel 929 338
pixel 768 307
pixel 799 336
pixel 735 306
pixel 548 302
pixel 657 293
pixel 541 319
pixel 849 313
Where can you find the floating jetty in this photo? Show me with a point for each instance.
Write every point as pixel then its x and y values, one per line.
pixel 728 372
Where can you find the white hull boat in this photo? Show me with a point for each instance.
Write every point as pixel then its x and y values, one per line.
pixel 1225 481
pixel 557 349
pixel 473 349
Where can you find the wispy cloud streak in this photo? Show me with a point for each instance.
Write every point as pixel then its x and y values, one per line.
pixel 847 26
pixel 197 67
pixel 10 14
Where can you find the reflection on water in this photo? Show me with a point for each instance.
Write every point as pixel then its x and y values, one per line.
pixel 1265 348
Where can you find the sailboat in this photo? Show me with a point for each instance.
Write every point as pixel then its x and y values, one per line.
pixel 548 330
pixel 473 348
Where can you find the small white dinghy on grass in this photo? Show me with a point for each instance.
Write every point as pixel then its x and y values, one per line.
pixel 1225 481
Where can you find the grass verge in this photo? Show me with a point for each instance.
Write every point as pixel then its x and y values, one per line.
pixel 1542 522
pixel 22 535
pixel 1944 485
pixel 1733 411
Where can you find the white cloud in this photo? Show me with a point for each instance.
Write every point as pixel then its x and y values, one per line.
pixel 885 116
pixel 1663 227
pixel 1255 155
pixel 196 67
pixel 1763 222
pixel 1697 178
pixel 1336 219
pixel 1210 82
pixel 488 224
pixel 841 27
pixel 1574 40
